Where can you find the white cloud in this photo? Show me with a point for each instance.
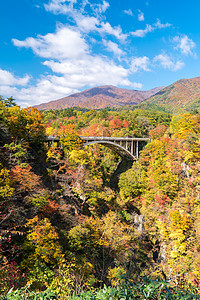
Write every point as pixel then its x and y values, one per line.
pixel 90 71
pixel 74 6
pixel 69 57
pixel 104 6
pixel 116 31
pixel 84 22
pixel 87 24
pixel 140 16
pixel 60 6
pixel 113 47
pixel 68 54
pixel 142 32
pixel 65 43
pixel 185 44
pixel 74 74
pixel 167 63
pixel 53 88
pixel 47 88
pixel 149 28
pixel 8 79
pixel 44 91
pixel 100 8
pixel 137 85
pixel 159 25
pixel 128 12
pixel 140 63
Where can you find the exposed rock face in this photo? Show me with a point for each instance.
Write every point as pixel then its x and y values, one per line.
pixel 139 221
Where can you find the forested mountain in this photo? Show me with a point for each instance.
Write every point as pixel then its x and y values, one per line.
pixel 62 226
pixel 101 97
pixel 179 97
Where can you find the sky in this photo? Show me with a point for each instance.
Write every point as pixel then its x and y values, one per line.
pixel 50 49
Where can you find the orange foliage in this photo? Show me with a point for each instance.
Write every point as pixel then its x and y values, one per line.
pixel 95 130
pixel 50 208
pixel 126 123
pixel 25 178
pixel 157 132
pixel 66 129
pixel 115 123
pixel 26 123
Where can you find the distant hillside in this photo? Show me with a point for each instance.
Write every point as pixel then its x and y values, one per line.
pixel 179 97
pixel 101 97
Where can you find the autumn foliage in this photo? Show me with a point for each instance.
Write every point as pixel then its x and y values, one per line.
pixel 62 224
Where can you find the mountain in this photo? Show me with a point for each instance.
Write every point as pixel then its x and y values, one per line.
pixel 101 97
pixel 179 97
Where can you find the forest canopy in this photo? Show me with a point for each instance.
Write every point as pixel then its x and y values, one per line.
pixel 65 228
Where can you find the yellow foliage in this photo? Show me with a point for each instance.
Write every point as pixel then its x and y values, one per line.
pixel 175 234
pixel 115 231
pixel 53 153
pixel 45 239
pixel 49 131
pixel 183 125
pixel 179 220
pixel 114 275
pixel 63 283
pixel 5 189
pixel 79 156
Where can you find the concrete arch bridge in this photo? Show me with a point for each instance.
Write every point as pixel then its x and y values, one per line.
pixel 127 147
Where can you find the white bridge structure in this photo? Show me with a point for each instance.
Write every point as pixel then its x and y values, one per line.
pixel 127 147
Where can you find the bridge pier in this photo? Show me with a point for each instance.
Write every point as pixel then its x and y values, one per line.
pixel 137 150
pixel 122 167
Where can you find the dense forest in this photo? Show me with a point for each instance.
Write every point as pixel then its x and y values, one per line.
pixel 67 233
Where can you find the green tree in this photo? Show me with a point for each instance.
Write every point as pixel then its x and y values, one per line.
pixel 9 102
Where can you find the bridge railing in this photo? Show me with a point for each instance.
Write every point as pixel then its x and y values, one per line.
pixel 97 138
pixel 114 138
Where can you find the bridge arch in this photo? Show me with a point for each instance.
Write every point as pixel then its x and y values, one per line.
pixel 125 154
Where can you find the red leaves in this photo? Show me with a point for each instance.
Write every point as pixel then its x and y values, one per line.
pixel 162 200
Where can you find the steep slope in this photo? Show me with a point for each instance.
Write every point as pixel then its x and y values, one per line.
pixel 179 97
pixel 101 97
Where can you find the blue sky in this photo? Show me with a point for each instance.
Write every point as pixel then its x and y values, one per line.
pixel 52 48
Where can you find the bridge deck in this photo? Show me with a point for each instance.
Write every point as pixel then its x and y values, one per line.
pixel 105 138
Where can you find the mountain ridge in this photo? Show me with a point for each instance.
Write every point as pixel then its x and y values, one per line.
pixel 100 97
pixel 179 97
